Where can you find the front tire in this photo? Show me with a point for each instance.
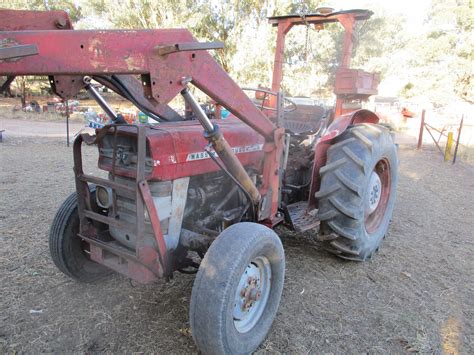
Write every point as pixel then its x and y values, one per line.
pixel 237 290
pixel 68 251
pixel 358 190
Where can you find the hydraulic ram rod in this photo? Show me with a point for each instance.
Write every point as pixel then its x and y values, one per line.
pixel 99 99
pixel 222 148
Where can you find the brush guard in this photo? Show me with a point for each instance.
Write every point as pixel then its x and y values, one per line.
pixel 149 261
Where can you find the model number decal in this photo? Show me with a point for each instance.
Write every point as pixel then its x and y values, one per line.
pixel 236 150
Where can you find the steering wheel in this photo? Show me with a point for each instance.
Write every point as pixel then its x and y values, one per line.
pixel 268 93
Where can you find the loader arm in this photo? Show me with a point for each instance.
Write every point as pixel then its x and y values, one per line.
pixel 165 60
pixel 25 20
pixel 134 52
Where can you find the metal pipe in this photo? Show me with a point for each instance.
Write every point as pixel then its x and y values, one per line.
pixel 100 100
pixel 422 126
pixel 197 109
pixel 67 122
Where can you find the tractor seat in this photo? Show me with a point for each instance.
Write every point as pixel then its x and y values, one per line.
pixel 305 118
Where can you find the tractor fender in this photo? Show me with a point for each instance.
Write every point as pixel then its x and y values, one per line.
pixel 340 123
pixel 337 126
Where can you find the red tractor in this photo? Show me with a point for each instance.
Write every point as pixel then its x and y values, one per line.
pixel 201 195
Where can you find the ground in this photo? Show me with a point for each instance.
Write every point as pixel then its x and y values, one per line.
pixel 415 295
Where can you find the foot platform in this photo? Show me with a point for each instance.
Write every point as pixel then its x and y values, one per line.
pixel 302 217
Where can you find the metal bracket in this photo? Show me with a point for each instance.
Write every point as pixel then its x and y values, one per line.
pixel 194 46
pixel 280 109
pixel 18 51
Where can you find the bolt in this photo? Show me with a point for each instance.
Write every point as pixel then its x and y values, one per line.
pixel 60 23
pixel 254 294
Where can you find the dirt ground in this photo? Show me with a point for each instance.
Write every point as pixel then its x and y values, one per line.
pixel 415 295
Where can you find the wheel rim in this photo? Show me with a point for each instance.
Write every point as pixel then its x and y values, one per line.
pixel 252 294
pixel 377 195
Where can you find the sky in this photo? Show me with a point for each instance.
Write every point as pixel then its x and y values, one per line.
pixel 414 11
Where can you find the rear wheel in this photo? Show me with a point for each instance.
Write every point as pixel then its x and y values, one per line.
pixel 237 290
pixel 69 252
pixel 358 189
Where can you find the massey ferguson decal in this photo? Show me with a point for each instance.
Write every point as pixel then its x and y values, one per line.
pixel 236 150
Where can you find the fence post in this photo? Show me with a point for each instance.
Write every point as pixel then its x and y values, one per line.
pixel 449 145
pixel 457 140
pixel 422 126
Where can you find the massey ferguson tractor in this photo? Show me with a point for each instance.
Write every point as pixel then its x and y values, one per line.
pixel 199 194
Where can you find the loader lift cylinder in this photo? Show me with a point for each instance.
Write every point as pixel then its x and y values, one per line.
pixel 222 148
pixel 100 100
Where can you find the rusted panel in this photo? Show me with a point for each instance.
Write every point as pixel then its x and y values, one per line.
pixel 155 223
pixel 355 82
pixel 122 264
pixel 67 86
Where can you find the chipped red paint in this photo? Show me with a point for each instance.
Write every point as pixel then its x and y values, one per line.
pixel 134 52
pixel 171 144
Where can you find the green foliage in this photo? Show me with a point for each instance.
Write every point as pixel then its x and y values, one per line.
pixel 225 21
pixel 69 6
pixel 433 63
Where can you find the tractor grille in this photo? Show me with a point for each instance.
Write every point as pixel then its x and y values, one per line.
pixel 126 212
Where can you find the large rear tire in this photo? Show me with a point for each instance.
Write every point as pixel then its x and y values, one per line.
pixel 237 290
pixel 358 190
pixel 68 251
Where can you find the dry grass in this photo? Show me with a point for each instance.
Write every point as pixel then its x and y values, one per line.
pixel 415 295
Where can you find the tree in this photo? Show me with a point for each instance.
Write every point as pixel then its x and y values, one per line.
pixel 440 58
pixel 70 6
pixel 23 86
pixel 138 14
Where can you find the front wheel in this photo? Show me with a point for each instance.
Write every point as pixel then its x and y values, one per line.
pixel 237 290
pixel 69 252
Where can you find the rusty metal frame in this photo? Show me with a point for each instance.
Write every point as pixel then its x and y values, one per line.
pixel 285 23
pixel 96 53
pixel 69 54
pixel 162 58
pixel 429 128
pixel 149 261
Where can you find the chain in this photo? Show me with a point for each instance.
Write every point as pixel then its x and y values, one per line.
pixel 307 45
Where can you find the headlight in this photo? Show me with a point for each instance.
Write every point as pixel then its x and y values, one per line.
pixel 103 196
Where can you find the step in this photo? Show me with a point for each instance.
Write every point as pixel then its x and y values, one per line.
pixel 302 217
